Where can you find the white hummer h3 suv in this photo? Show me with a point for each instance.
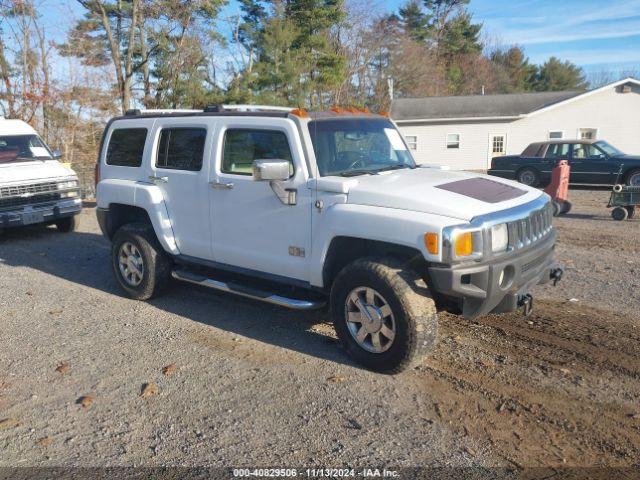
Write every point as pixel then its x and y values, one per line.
pixel 34 186
pixel 302 209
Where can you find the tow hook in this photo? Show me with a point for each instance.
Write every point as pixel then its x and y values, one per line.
pixel 556 275
pixel 526 303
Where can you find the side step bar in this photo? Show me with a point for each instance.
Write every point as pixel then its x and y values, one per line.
pixel 247 292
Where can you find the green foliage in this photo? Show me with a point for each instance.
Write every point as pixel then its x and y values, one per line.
pixel 515 73
pixel 414 21
pixel 295 59
pixel 556 75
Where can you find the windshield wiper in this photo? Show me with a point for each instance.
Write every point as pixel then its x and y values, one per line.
pixel 393 167
pixel 355 173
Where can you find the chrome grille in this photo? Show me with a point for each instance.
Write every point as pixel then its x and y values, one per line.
pixel 18 196
pixel 528 230
pixel 28 190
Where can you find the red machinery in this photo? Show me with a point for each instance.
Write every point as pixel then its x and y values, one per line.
pixel 558 188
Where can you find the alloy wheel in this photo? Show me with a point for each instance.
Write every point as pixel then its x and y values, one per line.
pixel 131 264
pixel 370 320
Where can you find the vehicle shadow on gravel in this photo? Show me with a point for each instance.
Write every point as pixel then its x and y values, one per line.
pixel 84 258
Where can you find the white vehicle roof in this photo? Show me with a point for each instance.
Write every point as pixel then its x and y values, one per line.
pixel 15 127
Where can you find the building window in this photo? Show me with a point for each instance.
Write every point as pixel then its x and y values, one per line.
pixel 412 141
pixel 497 145
pixel 587 133
pixel 556 135
pixel 453 140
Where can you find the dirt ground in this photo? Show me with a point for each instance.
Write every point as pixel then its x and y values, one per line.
pixel 255 385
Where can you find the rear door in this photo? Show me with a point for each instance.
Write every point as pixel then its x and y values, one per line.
pixel 179 167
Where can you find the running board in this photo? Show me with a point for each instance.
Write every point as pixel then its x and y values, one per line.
pixel 247 292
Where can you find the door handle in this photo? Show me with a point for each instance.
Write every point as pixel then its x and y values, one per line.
pixel 158 180
pixel 221 185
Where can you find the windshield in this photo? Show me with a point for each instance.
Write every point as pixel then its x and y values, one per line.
pixel 609 149
pixel 22 148
pixel 358 146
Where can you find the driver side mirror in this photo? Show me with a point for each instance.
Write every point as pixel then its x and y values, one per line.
pixel 57 154
pixel 271 170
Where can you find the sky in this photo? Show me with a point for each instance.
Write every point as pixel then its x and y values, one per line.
pixel 595 34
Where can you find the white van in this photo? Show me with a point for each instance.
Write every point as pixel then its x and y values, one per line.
pixel 34 186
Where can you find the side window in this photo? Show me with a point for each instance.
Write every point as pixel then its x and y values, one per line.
pixel 243 146
pixel 181 148
pixel 558 151
pixel 593 152
pixel 126 147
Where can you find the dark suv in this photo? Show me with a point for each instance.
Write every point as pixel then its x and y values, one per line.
pixel 593 162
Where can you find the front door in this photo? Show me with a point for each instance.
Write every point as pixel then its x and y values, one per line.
pixel 591 165
pixel 179 170
pixel 497 146
pixel 251 227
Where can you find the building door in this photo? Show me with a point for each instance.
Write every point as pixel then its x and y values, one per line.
pixel 497 146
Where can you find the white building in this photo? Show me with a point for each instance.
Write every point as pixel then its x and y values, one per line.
pixel 465 132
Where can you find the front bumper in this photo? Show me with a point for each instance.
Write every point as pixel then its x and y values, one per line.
pixel 477 287
pixel 49 213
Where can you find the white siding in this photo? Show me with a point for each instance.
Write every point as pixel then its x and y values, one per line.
pixel 615 115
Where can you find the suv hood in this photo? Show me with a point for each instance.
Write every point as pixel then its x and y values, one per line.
pixel 445 193
pixel 20 172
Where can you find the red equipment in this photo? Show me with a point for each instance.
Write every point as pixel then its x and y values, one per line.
pixel 558 188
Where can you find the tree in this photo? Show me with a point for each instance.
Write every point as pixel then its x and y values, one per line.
pixel 297 58
pixel 414 21
pixel 556 75
pixel 514 72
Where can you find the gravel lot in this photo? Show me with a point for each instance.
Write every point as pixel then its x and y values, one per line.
pixel 256 385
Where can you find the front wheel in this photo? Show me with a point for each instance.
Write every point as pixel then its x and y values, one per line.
pixel 139 263
pixel 383 315
pixel 66 225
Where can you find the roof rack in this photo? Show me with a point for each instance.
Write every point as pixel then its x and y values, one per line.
pixel 256 108
pixel 209 109
pixel 159 111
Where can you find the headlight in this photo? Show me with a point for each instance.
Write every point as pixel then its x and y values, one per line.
pixel 67 184
pixel 71 194
pixel 499 238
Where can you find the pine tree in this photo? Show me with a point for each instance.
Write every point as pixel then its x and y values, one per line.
pixel 556 75
pixel 515 73
pixel 414 21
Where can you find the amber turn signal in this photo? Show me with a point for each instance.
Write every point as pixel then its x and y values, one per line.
pixel 431 242
pixel 463 244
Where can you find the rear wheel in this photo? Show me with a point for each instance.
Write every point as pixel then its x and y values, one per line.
pixel 139 263
pixel 566 207
pixel 528 176
pixel 631 211
pixel 633 178
pixel 619 214
pixel 383 314
pixel 66 225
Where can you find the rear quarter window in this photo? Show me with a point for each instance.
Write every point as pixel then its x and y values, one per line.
pixel 126 147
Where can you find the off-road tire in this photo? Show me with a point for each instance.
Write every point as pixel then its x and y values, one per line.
pixel 619 214
pixel 535 176
pixel 413 309
pixel 66 225
pixel 631 177
pixel 157 264
pixel 566 207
